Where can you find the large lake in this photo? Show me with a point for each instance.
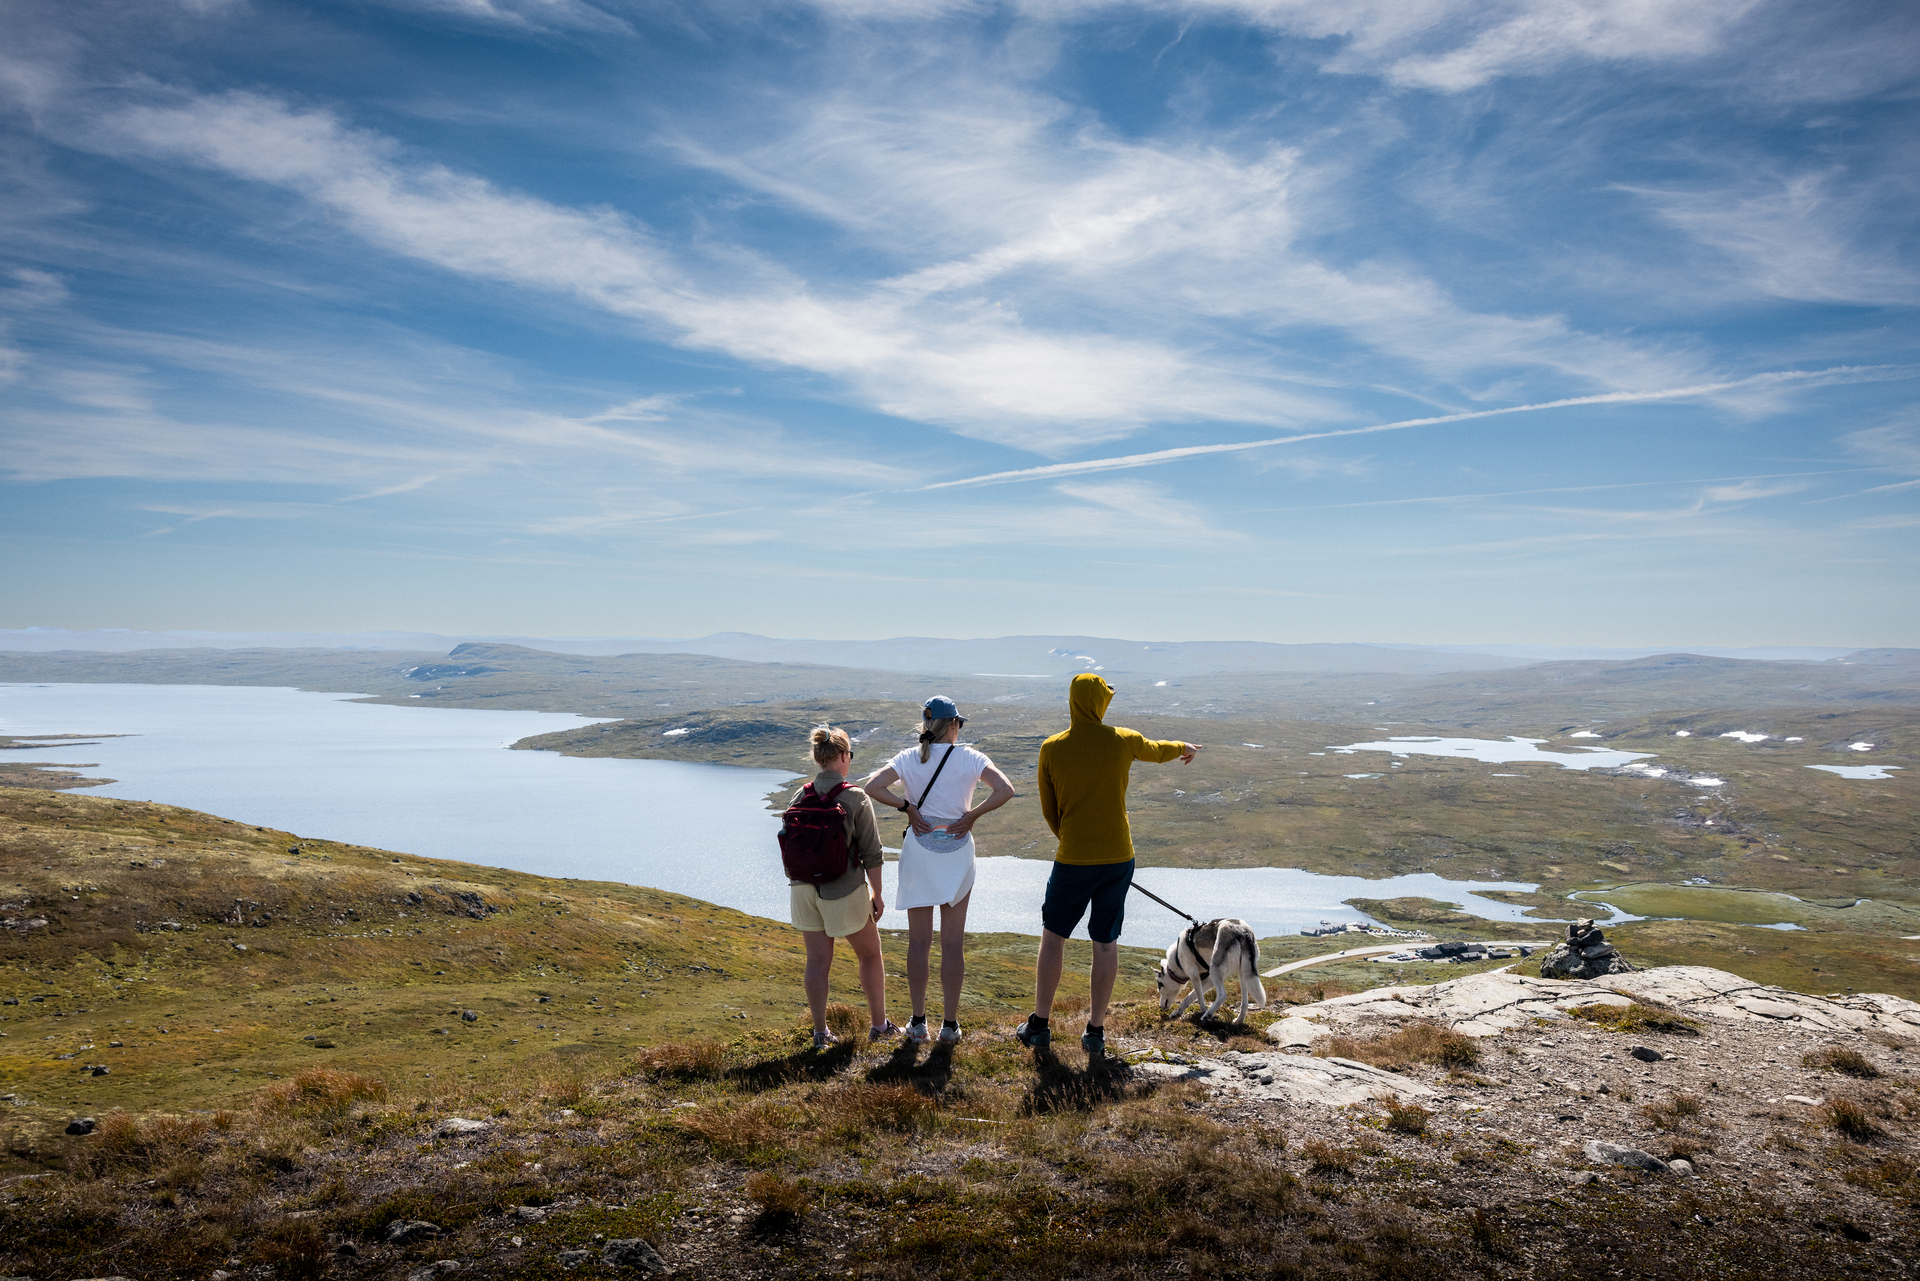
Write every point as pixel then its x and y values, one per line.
pixel 439 782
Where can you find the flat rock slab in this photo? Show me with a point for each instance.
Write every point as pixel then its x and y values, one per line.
pixel 1489 1004
pixel 1625 1158
pixel 460 1125
pixel 1298 1080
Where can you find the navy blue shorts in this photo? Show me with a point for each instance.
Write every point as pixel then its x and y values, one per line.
pixel 1075 886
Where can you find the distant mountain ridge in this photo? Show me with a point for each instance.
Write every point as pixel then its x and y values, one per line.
pixel 1005 656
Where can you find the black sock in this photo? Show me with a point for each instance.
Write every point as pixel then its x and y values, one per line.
pixel 1097 1029
pixel 1036 1022
pixel 918 1018
pixel 949 1022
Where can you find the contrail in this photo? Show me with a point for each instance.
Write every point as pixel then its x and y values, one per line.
pixel 1158 456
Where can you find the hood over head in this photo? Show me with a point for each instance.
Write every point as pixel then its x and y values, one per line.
pixel 1088 696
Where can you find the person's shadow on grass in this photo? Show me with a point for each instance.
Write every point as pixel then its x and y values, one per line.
pixel 1060 1088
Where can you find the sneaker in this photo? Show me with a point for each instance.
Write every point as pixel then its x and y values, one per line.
pixel 949 1035
pixel 892 1029
pixel 1037 1039
pixel 1094 1043
pixel 917 1030
pixel 823 1038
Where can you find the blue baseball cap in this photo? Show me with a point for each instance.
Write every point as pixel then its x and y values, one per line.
pixel 939 708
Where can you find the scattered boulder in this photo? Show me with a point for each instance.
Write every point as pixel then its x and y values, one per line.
pixel 470 1016
pixel 1646 1054
pixel 81 1125
pixel 1681 1167
pixel 1624 1157
pixel 528 1213
pixel 632 1253
pixel 411 1231
pixel 1586 954
pixel 435 1270
pixel 574 1258
pixel 455 1125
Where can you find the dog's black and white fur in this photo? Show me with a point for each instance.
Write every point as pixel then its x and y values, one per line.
pixel 1206 955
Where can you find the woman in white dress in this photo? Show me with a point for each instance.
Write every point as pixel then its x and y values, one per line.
pixel 936 853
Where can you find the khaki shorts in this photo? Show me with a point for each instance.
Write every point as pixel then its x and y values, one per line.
pixel 839 917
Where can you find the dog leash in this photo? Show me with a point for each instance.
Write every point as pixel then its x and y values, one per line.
pixel 1162 902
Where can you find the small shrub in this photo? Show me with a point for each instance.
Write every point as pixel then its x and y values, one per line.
pixel 776 1196
pixel 760 1127
pixel 879 1107
pixel 1889 1176
pixel 1636 1017
pixel 843 1022
pixel 685 1060
pixel 1406 1118
pixel 1669 1114
pixel 1851 1120
pixel 295 1249
pixel 1324 1158
pixel 1839 1059
pixel 320 1092
pixel 1420 1042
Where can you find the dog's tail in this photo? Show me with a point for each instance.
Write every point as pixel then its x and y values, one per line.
pixel 1250 971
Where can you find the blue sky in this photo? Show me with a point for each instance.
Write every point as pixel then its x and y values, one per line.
pixel 1566 321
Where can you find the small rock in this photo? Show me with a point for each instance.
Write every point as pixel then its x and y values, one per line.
pixel 470 1016
pixel 1681 1167
pixel 81 1125
pixel 438 1268
pixel 99 1069
pixel 632 1253
pixel 1801 1098
pixel 408 1231
pixel 1646 1055
pixel 347 1250
pixel 239 947
pixel 459 1125
pixel 1624 1157
pixel 1585 1177
pixel 528 1213
pixel 221 1274
pixel 574 1258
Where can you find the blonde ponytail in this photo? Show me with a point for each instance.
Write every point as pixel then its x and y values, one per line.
pixel 933 733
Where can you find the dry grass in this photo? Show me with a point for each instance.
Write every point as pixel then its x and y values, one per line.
pixel 322 1092
pixel 1672 1113
pixel 776 1195
pixel 1416 1043
pixel 1847 1062
pixel 1849 1118
pixel 1636 1017
pixel 1324 1158
pixel 1406 1118
pixel 685 1060
pixel 1895 1176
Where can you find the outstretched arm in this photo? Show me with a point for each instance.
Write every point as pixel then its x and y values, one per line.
pixel 1002 793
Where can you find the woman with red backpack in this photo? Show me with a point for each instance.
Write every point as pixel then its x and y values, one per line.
pixel 831 851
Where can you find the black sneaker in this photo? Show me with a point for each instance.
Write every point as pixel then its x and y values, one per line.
pixel 1035 1039
pixel 1094 1043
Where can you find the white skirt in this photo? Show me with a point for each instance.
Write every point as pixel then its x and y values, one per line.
pixel 934 877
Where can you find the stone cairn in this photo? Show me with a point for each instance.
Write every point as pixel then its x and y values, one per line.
pixel 1585 955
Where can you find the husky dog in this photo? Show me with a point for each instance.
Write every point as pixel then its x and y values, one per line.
pixel 1207 955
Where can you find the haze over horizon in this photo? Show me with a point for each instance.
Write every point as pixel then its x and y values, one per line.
pixel 1544 323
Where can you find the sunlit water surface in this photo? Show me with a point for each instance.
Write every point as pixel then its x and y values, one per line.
pixel 439 782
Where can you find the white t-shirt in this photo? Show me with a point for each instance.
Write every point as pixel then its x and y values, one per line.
pixel 952 795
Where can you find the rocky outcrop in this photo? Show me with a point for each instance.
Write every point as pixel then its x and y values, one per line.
pixel 1488 1004
pixel 1294 1079
pixel 1585 955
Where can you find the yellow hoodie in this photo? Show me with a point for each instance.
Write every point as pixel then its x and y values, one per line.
pixel 1083 777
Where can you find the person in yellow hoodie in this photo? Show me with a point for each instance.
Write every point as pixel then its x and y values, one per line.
pixel 1083 793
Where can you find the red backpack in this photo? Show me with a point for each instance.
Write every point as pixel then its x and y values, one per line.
pixel 813 837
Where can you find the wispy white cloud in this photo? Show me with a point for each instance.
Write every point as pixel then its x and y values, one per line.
pixel 1750 490
pixel 1792 237
pixel 1158 457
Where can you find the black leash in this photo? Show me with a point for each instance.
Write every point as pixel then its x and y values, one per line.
pixel 1162 902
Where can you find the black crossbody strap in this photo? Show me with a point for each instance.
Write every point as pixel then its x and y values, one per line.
pixel 929 788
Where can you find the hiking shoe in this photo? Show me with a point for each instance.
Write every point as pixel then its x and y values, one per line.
pixel 949 1035
pixel 917 1030
pixel 892 1029
pixel 1094 1043
pixel 823 1038
pixel 1037 1039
